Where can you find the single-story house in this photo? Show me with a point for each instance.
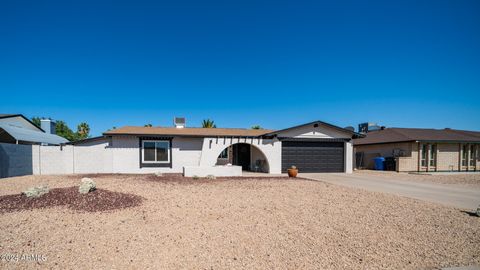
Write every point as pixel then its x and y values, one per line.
pixel 312 147
pixel 17 129
pixel 420 150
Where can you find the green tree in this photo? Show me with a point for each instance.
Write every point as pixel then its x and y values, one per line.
pixel 207 123
pixel 36 121
pixel 83 131
pixel 148 125
pixel 256 127
pixel 62 130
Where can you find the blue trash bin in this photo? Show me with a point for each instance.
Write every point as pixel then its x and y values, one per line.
pixel 379 163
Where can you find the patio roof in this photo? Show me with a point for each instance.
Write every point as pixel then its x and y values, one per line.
pixel 28 135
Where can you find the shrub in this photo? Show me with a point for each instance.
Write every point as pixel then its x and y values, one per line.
pixel 87 186
pixel 195 177
pixel 35 192
pixel 211 177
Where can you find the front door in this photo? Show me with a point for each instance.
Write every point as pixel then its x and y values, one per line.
pixel 241 155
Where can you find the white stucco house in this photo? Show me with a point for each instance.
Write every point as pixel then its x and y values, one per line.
pixel 312 147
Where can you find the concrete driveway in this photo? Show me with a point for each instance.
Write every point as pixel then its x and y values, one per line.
pixel 458 196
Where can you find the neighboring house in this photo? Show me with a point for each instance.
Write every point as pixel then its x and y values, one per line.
pixel 17 129
pixel 420 150
pixel 312 147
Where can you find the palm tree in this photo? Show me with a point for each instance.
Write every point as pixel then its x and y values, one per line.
pixel 148 125
pixel 207 123
pixel 83 130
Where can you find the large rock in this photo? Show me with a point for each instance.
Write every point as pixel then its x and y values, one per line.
pixel 35 192
pixel 87 186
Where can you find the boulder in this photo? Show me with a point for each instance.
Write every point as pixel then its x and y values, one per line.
pixel 35 192
pixel 87 185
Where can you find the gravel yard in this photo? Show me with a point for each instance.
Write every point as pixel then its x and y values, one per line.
pixel 464 179
pixel 249 223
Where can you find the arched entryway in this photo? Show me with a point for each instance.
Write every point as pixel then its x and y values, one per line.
pixel 250 157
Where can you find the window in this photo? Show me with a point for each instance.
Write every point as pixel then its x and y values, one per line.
pixel 473 155
pixel 224 154
pixel 156 152
pixel 423 157
pixel 464 155
pixel 433 155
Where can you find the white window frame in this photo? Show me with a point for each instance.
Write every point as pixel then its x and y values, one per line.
pixel 155 162
pixel 473 155
pixel 432 149
pixel 424 151
pixel 464 158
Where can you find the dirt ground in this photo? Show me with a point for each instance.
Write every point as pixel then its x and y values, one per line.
pixel 464 179
pixel 243 223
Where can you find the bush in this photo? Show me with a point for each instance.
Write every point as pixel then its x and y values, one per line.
pixel 195 177
pixel 211 177
pixel 87 185
pixel 35 192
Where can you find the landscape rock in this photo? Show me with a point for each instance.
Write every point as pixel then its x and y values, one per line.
pixel 87 185
pixel 35 192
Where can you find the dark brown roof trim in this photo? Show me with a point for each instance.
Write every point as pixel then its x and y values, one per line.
pixel 373 143
pixel 288 139
pixel 183 135
pixel 87 140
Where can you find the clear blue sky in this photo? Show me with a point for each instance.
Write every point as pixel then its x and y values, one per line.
pixel 240 63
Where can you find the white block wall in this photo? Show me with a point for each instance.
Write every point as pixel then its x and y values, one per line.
pixel 191 171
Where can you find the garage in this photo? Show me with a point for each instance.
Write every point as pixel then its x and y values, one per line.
pixel 313 156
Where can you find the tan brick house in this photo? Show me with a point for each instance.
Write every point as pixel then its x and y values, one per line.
pixel 420 150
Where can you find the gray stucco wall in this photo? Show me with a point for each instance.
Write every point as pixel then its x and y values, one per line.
pixel 15 160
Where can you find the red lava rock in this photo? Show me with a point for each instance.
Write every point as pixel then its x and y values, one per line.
pixel 96 201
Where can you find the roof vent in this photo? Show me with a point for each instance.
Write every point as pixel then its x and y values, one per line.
pixel 179 122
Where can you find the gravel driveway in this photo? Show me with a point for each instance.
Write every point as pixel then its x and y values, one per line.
pixel 238 224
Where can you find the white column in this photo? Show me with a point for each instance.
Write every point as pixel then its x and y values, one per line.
pixel 348 157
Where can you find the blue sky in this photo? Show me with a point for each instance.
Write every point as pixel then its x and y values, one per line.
pixel 240 63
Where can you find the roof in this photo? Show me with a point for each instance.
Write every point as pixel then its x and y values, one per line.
pixel 28 135
pixel 391 135
pixel 87 140
pixel 3 115
pixel 351 132
pixel 191 132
